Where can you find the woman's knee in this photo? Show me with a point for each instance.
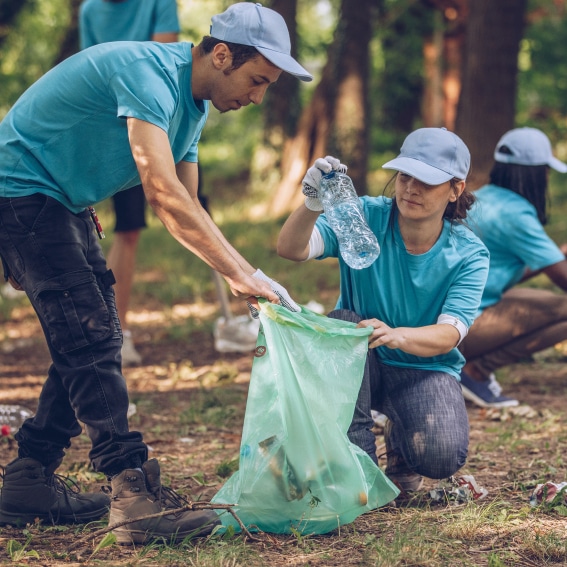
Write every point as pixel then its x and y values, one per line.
pixel 441 459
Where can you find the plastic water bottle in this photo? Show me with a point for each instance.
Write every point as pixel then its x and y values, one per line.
pixel 11 418
pixel 357 243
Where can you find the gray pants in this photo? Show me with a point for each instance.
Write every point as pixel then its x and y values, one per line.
pixel 523 322
pixel 430 427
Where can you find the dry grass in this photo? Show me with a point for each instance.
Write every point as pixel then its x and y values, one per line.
pixel 190 406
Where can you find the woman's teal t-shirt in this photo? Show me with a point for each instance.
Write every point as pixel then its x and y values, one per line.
pixel 405 290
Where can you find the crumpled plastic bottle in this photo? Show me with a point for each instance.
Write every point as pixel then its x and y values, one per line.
pixel 357 243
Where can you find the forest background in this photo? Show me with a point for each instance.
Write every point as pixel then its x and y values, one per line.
pixel 381 69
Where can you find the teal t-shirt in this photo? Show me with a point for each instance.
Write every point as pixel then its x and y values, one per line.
pixel 406 290
pixel 508 225
pixel 101 21
pixel 66 136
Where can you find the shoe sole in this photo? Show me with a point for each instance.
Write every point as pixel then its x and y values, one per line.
pixel 18 520
pixel 472 397
pixel 132 537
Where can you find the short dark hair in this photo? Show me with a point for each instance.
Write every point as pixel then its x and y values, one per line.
pixel 529 181
pixel 240 53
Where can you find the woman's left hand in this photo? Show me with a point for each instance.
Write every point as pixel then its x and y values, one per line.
pixel 383 335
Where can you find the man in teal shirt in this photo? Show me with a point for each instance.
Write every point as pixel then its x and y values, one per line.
pixel 102 121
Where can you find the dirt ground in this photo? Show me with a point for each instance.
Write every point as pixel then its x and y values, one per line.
pixel 168 393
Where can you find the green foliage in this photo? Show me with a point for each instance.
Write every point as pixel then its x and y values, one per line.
pixel 217 407
pixel 226 468
pixel 31 47
pixel 557 214
pixel 556 505
pixel 316 23
pixel 108 540
pixel 542 98
pixel 397 81
pixel 195 17
pixel 18 552
pixel 224 152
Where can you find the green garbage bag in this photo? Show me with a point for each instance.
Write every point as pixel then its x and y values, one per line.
pixel 297 470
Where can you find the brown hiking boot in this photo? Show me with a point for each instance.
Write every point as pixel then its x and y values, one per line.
pixel 397 469
pixel 137 493
pixel 32 491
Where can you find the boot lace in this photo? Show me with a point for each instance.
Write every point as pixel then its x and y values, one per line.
pixel 168 498
pixel 64 486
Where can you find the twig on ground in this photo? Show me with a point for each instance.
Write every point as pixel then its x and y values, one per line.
pixel 189 506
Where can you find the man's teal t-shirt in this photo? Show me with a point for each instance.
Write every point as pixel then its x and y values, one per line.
pixel 67 137
pixel 508 225
pixel 101 21
pixel 405 290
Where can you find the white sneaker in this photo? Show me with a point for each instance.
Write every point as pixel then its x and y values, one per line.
pixel 130 356
pixel 237 334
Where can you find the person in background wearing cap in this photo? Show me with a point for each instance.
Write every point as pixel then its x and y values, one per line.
pixel 420 296
pixel 108 118
pixel 509 217
pixel 102 21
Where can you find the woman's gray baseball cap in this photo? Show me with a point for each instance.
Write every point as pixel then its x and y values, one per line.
pixel 527 146
pixel 432 155
pixel 251 24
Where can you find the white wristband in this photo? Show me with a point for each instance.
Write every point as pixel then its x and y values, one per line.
pixel 455 322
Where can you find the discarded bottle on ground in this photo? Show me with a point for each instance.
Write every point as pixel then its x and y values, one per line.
pixel 357 243
pixel 12 417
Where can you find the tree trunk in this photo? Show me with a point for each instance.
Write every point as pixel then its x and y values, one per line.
pixel 281 109
pixel 335 121
pixel 350 131
pixel 443 57
pixel 487 105
pixel 432 105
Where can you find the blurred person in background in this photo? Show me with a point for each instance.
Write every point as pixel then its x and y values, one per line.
pixel 102 21
pixel 509 216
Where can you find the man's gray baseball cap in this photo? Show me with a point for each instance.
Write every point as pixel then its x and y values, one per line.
pixel 251 24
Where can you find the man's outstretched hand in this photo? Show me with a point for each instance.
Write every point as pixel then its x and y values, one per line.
pixel 283 295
